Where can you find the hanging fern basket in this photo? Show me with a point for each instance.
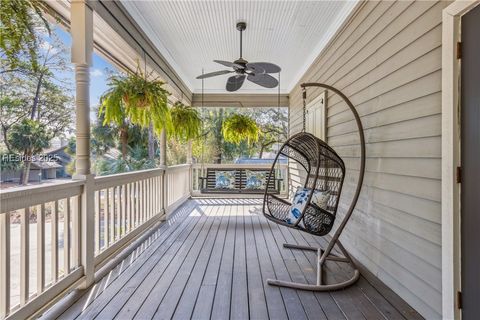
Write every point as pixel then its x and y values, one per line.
pixel 238 128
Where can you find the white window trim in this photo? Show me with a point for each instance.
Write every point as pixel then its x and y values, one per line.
pixel 451 245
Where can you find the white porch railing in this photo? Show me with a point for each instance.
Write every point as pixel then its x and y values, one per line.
pixel 38 260
pixel 40 231
pixel 200 170
pixel 178 180
pixel 125 205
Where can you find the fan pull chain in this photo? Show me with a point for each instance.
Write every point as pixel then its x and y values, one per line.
pixel 304 97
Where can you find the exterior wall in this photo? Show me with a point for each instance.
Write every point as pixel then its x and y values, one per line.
pixel 387 60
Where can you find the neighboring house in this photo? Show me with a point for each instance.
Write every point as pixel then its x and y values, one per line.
pixel 52 165
pixel 62 158
pixel 42 170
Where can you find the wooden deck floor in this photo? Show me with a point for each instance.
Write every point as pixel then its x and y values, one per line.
pixel 211 260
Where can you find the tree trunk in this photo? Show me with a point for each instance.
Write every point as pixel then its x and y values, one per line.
pixel 5 140
pixel 219 136
pixel 124 142
pixel 37 97
pixel 151 143
pixel 26 168
pixel 260 154
pixel 218 158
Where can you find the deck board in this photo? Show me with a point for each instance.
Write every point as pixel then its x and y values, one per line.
pixel 212 262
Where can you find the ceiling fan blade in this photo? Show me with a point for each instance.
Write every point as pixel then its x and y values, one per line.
pixel 229 64
pixel 264 80
pixel 235 82
pixel 255 69
pixel 268 67
pixel 213 74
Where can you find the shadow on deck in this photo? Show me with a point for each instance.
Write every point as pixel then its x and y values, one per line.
pixel 211 260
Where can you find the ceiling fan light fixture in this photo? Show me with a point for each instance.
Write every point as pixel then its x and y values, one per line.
pixel 256 72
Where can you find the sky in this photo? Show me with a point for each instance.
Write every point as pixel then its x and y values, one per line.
pixel 98 73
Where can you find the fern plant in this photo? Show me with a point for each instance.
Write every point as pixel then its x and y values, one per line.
pixel 186 122
pixel 133 99
pixel 137 99
pixel 238 128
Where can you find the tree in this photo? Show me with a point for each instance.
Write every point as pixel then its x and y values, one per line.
pixel 38 93
pixel 273 124
pixel 29 137
pixel 20 22
pixel 211 147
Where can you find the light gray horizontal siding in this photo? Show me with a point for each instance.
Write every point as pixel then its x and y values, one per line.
pixel 387 60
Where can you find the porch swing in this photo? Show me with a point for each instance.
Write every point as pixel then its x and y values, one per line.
pixel 314 207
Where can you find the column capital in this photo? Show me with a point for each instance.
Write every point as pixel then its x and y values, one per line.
pixel 81 29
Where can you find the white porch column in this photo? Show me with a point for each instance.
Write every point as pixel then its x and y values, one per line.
pixel 82 49
pixel 163 148
pixel 190 162
pixel 163 164
pixel 189 152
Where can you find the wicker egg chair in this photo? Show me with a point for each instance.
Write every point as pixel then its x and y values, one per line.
pixel 323 171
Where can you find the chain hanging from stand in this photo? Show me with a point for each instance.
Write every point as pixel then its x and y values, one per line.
pixel 279 171
pixel 304 111
pixel 203 127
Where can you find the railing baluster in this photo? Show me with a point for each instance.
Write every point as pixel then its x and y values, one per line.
pixel 4 264
pixel 134 205
pixel 112 215
pixel 54 226
pixel 150 198
pixel 41 249
pixel 24 255
pixel 106 218
pixel 118 212
pixel 155 194
pixel 140 202
pixel 123 198
pixel 128 201
pixel 76 209
pixel 66 236
pixel 145 200
pixel 98 203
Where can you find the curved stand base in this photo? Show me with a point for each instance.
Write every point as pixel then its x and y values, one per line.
pixel 314 287
pixel 322 257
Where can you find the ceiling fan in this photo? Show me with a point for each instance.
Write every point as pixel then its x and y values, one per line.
pixel 256 72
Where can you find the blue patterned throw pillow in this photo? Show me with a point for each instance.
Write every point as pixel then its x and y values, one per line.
pixel 320 198
pixel 225 180
pixel 255 179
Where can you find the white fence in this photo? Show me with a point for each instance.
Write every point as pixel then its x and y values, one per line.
pixel 47 246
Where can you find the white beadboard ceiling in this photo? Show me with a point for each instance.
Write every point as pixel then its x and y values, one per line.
pixel 190 34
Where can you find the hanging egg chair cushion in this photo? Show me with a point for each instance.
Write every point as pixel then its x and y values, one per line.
pixel 319 199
